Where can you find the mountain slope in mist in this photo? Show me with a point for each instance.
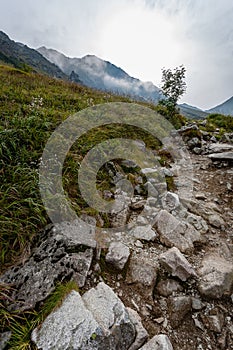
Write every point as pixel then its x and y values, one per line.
pixel 103 75
pixel 224 108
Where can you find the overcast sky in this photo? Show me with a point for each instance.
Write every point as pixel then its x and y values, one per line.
pixel 140 36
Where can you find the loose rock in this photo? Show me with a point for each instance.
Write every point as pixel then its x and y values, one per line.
pixel 118 254
pixel 176 264
pixel 216 277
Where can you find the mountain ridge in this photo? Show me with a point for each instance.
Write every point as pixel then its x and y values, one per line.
pixel 21 56
pixel 100 74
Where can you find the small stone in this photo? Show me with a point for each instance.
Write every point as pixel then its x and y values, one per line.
pixel 215 323
pixel 158 342
pixel 175 263
pixel 138 205
pixel 170 201
pixel 200 196
pixel 198 324
pixel 197 304
pixel 168 287
pixel 117 255
pixel 159 320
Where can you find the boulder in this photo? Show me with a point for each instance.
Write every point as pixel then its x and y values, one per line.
pixel 216 277
pixel 62 252
pixel 97 320
pixel 118 254
pixel 176 264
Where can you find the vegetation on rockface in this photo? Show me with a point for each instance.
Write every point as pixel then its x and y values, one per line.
pixel 22 324
pixel 218 121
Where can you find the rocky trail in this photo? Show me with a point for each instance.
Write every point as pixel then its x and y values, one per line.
pixel 163 287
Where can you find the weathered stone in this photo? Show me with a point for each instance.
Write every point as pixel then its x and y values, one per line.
pixel 197 304
pixel 214 322
pixel 111 315
pixel 221 156
pixel 220 148
pixel 175 233
pixel 216 220
pixel 176 264
pixel 98 320
pixel 216 277
pixel 170 201
pixel 178 307
pixel 118 254
pixel 143 270
pixel 158 342
pixel 61 253
pixel 70 326
pixel 198 222
pixel 143 232
pixel 138 205
pixel 141 333
pixel 168 287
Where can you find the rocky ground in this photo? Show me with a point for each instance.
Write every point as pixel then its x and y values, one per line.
pixel 171 282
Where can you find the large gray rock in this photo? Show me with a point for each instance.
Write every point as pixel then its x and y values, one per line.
pixel 145 233
pixel 221 156
pixel 71 326
pixel 220 148
pixel 158 342
pixel 175 233
pixel 118 254
pixel 176 264
pixel 97 320
pixel 216 277
pixel 143 270
pixel 62 252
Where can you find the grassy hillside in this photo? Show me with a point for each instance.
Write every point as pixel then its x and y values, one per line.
pixel 31 107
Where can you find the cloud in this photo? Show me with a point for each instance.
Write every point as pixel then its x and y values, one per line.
pixel 140 36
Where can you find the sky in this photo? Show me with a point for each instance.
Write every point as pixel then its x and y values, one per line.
pixel 140 36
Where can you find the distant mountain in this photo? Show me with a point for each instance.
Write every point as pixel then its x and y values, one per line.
pixel 21 56
pixel 192 112
pixel 224 108
pixel 103 75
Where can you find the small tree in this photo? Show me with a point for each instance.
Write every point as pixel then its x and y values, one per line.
pixel 173 87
